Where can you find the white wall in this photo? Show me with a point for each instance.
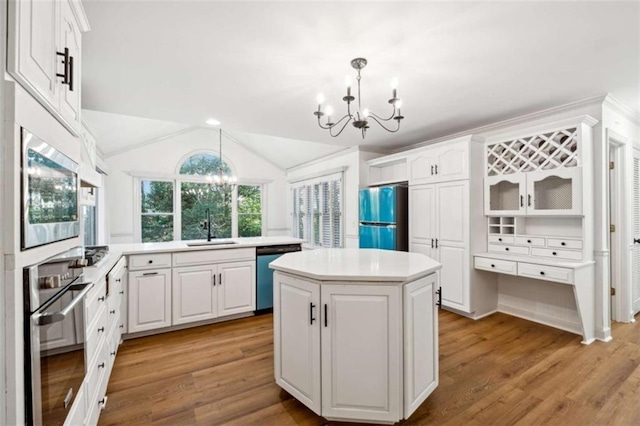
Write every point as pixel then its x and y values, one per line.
pixel 163 157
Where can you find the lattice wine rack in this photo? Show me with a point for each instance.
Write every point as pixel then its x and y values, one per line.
pixel 545 151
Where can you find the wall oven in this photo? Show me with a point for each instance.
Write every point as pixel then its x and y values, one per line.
pixel 49 193
pixel 54 331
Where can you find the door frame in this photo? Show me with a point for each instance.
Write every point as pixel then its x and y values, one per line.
pixel 619 241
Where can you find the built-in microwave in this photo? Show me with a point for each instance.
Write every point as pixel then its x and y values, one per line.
pixel 49 193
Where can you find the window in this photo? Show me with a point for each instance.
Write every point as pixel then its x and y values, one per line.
pixel 249 210
pixel 90 228
pixel 233 213
pixel 317 211
pixel 156 202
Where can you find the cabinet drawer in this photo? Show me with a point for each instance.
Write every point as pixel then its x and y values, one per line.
pixel 94 301
pixel 205 257
pixel 95 334
pixel 548 273
pixel 496 265
pixel 496 248
pixel 557 254
pixel 501 239
pixel 149 261
pixel 530 241
pixel 564 243
pixel 117 272
pixel 96 373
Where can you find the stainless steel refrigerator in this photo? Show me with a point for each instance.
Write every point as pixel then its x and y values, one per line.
pixel 384 217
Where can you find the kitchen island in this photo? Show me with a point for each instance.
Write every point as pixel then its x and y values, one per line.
pixel 356 332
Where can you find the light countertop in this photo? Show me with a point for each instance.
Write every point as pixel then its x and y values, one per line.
pixel 370 265
pixel 95 273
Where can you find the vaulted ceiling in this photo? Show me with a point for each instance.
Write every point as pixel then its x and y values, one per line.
pixel 257 66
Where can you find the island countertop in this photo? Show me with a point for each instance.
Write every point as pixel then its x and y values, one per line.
pixel 372 265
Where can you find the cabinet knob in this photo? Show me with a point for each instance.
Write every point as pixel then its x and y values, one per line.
pixel 101 365
pixel 101 330
pixel 101 401
pixel 113 353
pixel 493 266
pixel 112 312
pixel 150 261
pixel 563 243
pixel 121 325
pixel 101 298
pixel 121 292
pixel 506 248
pixel 529 241
pixel 119 280
pixel 499 239
pixel 541 272
pixel 554 253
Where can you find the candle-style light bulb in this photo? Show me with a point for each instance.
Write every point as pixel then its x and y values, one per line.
pixel 329 113
pixel 347 82
pixel 394 87
pixel 320 98
pixel 365 112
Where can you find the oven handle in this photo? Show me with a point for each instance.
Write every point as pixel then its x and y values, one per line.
pixel 44 319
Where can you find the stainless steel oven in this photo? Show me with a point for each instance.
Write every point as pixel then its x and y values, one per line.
pixel 54 294
pixel 49 193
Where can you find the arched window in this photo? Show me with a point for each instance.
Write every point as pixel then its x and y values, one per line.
pixel 203 165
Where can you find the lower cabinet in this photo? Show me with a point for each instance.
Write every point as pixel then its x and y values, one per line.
pixel 237 288
pixel 149 300
pixel 352 352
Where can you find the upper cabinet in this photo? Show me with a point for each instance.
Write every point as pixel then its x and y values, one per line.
pixel 538 174
pixel 442 162
pixel 44 54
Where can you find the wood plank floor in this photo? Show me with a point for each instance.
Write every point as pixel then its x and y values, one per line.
pixel 500 370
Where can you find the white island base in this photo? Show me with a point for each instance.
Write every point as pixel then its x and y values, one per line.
pixel 356 332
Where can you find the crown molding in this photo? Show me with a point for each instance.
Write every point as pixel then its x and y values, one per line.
pixel 81 15
pixel 515 121
pixel 622 109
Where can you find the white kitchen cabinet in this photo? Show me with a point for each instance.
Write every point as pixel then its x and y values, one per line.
pixel 421 343
pixel 440 163
pixel 237 288
pixel 361 363
pixel 39 31
pixel 194 294
pixel 70 38
pixel 296 321
pixel 555 192
pixel 149 300
pixel 422 233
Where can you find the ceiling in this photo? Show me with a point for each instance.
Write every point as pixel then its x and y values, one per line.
pixel 257 66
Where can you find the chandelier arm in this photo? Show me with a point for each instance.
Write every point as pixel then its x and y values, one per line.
pixel 334 124
pixel 393 114
pixel 345 125
pixel 384 127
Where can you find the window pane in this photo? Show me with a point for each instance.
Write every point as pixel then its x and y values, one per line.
pixel 156 196
pixel 196 199
pixel 203 164
pixel 249 199
pixel 89 220
pixel 249 225
pixel 316 214
pixel 156 228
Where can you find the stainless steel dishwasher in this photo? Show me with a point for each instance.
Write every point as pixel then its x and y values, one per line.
pixel 264 275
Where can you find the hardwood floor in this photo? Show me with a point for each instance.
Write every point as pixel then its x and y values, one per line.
pixel 500 370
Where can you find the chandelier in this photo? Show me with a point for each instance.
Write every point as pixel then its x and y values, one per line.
pixel 359 118
pixel 220 180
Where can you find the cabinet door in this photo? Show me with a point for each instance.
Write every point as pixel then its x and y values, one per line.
pixel 296 328
pixel 421 337
pixel 422 219
pixel 32 58
pixel 505 195
pixel 149 300
pixel 452 201
pixel 452 162
pixel 422 168
pixel 237 288
pixel 193 294
pixel 70 37
pixel 361 362
pixel 555 192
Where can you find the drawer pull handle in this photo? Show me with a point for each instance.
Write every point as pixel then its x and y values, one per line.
pixel 101 401
pixel 541 272
pixel 563 243
pixel 506 248
pixel 112 312
pixel 529 241
pixel 554 253
pixel 121 325
pixel 101 298
pixel 121 292
pixel 150 261
pixel 493 266
pixel 113 353
pixel 101 330
pixel 499 239
pixel 150 273
pixel 119 280
pixel 101 365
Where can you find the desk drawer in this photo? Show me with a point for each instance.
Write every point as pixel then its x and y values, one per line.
pixel 495 265
pixel 149 261
pixel 565 243
pixel 557 254
pixel 530 241
pixel 547 273
pixel 496 248
pixel 501 239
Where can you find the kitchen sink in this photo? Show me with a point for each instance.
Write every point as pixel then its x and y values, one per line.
pixel 211 243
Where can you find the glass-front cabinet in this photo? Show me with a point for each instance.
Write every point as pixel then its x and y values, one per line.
pixel 555 192
pixel 505 195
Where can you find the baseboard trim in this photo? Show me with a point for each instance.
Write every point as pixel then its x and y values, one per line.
pixel 569 326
